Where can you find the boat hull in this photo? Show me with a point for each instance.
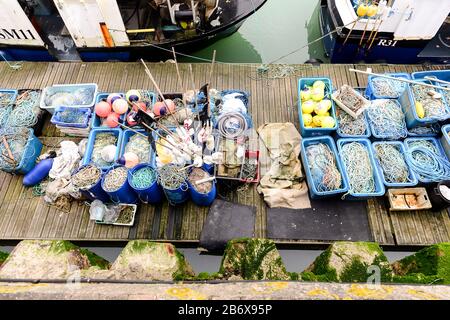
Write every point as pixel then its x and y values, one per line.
pixel 383 50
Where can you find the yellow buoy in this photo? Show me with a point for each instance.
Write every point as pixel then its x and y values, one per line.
pixel 362 10
pixel 318 94
pixel 420 110
pixel 372 10
pixel 308 106
pixel 307 119
pixel 317 121
pixel 328 122
pixel 320 109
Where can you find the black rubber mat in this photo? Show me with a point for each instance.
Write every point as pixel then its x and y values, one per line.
pixel 328 220
pixel 226 221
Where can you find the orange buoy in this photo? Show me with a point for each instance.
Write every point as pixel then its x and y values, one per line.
pixel 142 105
pixel 112 120
pixel 102 109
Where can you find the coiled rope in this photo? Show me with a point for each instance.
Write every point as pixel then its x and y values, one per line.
pixel 356 160
pixel 322 164
pixel 392 162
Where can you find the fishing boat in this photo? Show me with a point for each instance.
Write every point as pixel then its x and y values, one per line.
pixel 408 31
pixel 115 30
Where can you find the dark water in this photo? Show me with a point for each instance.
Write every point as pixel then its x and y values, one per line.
pixel 295 260
pixel 279 27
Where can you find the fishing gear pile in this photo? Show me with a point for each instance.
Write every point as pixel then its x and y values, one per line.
pixel 13 142
pixel 6 102
pixel 26 112
pixel 322 164
pixel 73 116
pixel 347 125
pixel 86 177
pixel 171 177
pixel 433 108
pixel 61 97
pixel 387 119
pixel 198 174
pixel 115 178
pixel 143 178
pixel 105 145
pixel 140 146
pixel 392 162
pixel 387 88
pixel 424 158
pixel 356 160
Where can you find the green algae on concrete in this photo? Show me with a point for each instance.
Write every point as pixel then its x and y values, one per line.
pixel 3 257
pixel 349 262
pixel 252 259
pixel 429 265
pixel 50 259
pixel 146 260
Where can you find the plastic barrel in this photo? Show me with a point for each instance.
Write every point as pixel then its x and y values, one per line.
pixel 125 194
pixel 177 196
pixel 202 199
pixel 152 194
pixel 96 191
pixel 438 201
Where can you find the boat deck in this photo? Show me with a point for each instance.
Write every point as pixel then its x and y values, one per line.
pixel 24 216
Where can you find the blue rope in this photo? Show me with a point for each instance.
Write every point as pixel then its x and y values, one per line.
pixel 428 164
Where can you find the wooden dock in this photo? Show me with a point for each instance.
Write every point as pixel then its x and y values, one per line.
pixel 24 216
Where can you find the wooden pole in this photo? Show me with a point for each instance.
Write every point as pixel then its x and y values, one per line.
pixel 398 79
pixel 180 81
pixel 212 67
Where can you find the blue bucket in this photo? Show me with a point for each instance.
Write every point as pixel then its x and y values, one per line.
pixel 203 199
pixel 177 196
pixel 95 192
pixel 125 194
pixel 152 194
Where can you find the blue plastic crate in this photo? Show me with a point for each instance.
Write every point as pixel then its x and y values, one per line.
pixel 400 146
pixel 310 132
pixel 433 141
pixel 370 91
pixel 70 88
pixel 377 135
pixel 127 134
pixel 57 120
pixel 379 186
pixel 407 102
pixel 367 134
pixel 31 152
pixel 96 121
pixel 445 139
pixel 314 193
pixel 14 94
pixel 91 140
pixel 436 131
pixel 440 74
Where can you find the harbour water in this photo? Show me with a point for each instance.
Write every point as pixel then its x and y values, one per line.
pixel 278 28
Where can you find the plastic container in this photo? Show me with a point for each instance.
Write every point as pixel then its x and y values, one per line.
pixel 313 192
pixel 436 130
pixel 126 135
pixel 370 90
pixel 95 192
pixel 124 194
pixel 90 145
pixel 357 94
pixel 177 196
pixel 96 120
pixel 437 199
pixel 203 199
pixel 445 139
pixel 440 74
pixel 124 205
pixel 68 88
pixel 412 177
pixel 57 120
pixel 366 134
pixel 14 94
pixel 433 141
pixel 252 156
pixel 32 151
pixel 408 103
pixel 152 194
pixel 310 132
pixel 379 186
pixel 377 135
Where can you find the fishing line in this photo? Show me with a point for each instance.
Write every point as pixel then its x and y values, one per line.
pixel 322 165
pixel 356 160
pixel 392 162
